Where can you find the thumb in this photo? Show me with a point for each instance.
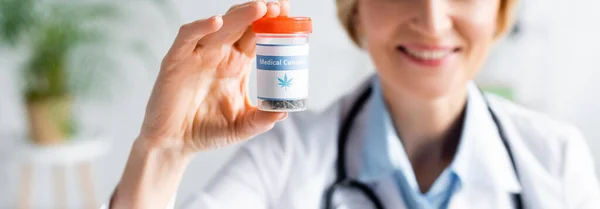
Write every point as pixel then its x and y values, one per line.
pixel 257 121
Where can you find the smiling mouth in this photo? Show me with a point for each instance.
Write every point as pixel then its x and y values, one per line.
pixel 428 56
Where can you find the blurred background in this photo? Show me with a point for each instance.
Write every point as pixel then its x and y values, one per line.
pixel 82 70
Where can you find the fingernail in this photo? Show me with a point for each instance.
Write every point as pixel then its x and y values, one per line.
pixel 276 3
pixel 219 16
pixel 282 117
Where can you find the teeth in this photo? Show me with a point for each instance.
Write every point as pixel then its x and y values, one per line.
pixel 429 54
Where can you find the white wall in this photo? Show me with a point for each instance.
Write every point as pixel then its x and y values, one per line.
pixel 576 87
pixel 561 81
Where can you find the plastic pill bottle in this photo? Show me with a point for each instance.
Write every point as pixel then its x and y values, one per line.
pixel 282 49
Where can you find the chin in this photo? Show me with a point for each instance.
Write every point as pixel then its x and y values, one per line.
pixel 425 84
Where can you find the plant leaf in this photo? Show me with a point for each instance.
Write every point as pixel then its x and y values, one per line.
pixel 16 17
pixel 285 82
pixel 54 33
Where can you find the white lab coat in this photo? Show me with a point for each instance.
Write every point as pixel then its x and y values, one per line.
pixel 292 165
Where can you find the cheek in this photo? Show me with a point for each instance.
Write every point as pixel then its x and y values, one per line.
pixel 378 27
pixel 377 22
pixel 477 29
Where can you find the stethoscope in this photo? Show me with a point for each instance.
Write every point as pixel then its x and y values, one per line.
pixel 365 197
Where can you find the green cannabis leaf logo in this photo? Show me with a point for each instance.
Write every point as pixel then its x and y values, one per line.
pixel 285 83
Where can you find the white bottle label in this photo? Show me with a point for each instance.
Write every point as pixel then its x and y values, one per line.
pixel 282 71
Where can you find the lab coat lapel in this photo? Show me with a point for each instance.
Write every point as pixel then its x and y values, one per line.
pixel 496 179
pixel 539 189
pixel 482 161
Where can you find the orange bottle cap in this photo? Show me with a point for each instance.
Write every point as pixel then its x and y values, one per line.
pixel 283 25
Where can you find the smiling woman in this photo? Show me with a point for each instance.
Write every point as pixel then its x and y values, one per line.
pixel 433 48
pixel 418 134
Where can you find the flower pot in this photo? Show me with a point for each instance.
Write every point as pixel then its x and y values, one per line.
pixel 49 120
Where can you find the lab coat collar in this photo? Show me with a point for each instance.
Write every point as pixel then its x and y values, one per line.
pixel 481 160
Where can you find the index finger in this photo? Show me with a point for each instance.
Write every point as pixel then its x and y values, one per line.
pixel 235 22
pixel 189 35
pixel 285 8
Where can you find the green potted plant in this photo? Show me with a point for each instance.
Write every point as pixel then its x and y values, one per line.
pixel 52 34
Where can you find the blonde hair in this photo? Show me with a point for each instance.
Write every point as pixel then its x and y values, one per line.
pixel 346 10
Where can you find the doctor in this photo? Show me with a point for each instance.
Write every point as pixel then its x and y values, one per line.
pixel 418 134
